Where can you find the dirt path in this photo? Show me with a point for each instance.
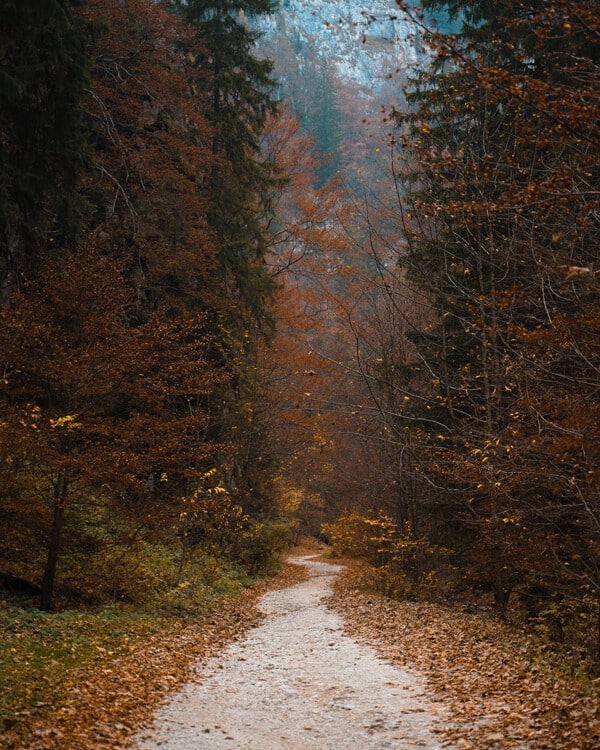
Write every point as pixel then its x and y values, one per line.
pixel 297 683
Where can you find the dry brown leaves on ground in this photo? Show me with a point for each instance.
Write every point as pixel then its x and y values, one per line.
pixel 106 706
pixel 502 693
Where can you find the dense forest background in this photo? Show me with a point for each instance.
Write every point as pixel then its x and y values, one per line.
pixel 214 340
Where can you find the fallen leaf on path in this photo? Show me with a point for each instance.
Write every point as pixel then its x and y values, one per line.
pixel 109 704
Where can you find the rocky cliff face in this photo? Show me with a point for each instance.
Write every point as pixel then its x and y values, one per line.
pixel 340 63
pixel 366 43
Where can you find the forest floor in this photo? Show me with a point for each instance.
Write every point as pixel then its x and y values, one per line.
pixel 102 705
pixel 471 680
pixel 502 687
pixel 298 682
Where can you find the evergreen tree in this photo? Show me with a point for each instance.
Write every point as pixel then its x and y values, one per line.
pixel 324 122
pixel 43 73
pixel 239 96
pixel 237 89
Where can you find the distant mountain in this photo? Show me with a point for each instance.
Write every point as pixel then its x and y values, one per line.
pixel 338 63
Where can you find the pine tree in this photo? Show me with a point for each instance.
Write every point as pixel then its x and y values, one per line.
pixel 324 122
pixel 238 94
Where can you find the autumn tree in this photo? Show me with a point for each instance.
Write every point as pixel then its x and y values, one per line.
pixel 152 156
pixel 107 386
pixel 499 204
pixel 325 430
pixel 92 407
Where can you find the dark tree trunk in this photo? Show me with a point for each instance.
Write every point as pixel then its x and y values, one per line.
pixel 60 496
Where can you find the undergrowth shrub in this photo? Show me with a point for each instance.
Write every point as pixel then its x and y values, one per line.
pixel 402 564
pixel 261 545
pixel 205 547
pixel 568 622
pixel 152 575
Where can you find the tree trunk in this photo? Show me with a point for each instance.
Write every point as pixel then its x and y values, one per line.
pixel 60 496
pixel 596 658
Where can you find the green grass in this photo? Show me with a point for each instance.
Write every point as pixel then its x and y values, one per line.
pixel 42 654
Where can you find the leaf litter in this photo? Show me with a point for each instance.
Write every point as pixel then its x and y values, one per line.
pixel 502 689
pixel 105 705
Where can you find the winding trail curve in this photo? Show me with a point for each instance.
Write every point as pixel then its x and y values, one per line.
pixel 297 682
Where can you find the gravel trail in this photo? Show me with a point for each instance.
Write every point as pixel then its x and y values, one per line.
pixel 297 682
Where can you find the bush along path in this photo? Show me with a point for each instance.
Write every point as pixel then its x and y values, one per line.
pixel 503 688
pixel 298 682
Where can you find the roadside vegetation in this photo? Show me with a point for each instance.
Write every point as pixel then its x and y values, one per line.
pixel 501 684
pixel 90 678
